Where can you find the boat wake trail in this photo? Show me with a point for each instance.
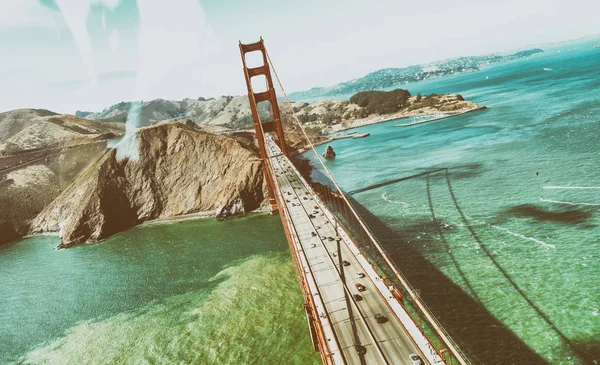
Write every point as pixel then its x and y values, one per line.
pixel 518 235
pixel 568 203
pixel 385 198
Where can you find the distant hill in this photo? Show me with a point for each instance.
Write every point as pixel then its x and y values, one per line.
pixel 28 129
pixel 225 112
pixel 390 77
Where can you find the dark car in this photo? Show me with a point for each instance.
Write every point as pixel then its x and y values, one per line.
pixel 361 287
pixel 380 318
pixel 360 349
pixel 357 297
pixel 330 238
pixel 346 263
pixel 416 359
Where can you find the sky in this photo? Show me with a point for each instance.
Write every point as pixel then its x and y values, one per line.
pixel 68 55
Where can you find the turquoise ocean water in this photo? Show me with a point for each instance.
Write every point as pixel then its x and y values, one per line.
pixel 525 256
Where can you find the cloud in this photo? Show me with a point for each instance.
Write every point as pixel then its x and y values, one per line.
pixel 171 35
pixel 29 13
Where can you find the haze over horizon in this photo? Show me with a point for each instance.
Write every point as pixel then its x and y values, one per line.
pixel 65 55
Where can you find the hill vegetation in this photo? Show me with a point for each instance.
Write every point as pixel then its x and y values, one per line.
pixel 381 102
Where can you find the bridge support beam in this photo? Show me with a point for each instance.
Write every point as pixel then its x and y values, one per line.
pixel 262 127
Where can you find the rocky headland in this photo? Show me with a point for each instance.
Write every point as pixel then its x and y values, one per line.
pixel 179 170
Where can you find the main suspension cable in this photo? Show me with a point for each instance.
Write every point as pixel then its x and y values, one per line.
pixel 442 333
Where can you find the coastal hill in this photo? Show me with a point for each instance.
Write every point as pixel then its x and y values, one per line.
pixel 390 77
pixel 36 167
pixel 180 170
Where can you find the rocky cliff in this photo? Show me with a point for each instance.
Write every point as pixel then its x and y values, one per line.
pixel 179 170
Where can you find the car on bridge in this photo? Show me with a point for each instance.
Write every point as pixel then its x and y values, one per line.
pixel 380 318
pixel 357 297
pixel 360 349
pixel 346 263
pixel 416 359
pixel 360 287
pixel 360 275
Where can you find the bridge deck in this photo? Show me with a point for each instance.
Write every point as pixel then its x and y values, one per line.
pixel 353 322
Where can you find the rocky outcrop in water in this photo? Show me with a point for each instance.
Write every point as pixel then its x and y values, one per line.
pixel 329 153
pixel 179 170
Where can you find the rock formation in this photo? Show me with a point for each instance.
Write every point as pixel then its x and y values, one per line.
pixel 179 170
pixel 329 153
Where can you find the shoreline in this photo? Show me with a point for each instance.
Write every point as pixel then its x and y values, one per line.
pixel 403 116
pixel 331 136
pixel 175 219
pixel 439 118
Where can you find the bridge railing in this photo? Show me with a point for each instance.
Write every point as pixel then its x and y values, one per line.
pixel 349 218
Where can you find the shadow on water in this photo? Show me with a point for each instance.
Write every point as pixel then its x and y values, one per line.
pixel 483 337
pixel 566 216
pixel 442 236
pixel 585 357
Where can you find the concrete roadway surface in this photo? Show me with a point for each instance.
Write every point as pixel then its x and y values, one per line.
pixel 337 273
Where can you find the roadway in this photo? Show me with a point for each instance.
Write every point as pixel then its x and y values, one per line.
pixel 337 271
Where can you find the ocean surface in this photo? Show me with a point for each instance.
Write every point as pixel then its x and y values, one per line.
pixel 203 292
pixel 516 202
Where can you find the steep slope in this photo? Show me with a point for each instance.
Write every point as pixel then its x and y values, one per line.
pixel 27 188
pixel 180 170
pixel 41 153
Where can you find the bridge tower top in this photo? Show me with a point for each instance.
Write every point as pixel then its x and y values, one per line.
pixel 268 95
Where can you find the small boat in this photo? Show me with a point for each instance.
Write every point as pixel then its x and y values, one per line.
pixel 361 135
